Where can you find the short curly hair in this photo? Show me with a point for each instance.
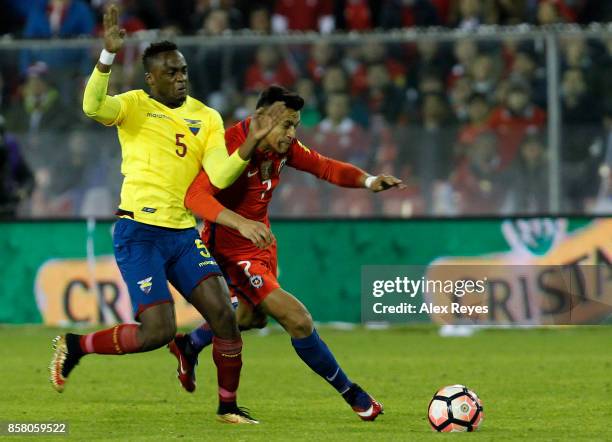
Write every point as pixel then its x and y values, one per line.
pixel 154 49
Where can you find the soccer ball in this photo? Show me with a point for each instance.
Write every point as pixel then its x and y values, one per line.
pixel 455 408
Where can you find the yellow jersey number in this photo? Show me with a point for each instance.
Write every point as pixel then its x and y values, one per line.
pixel 205 253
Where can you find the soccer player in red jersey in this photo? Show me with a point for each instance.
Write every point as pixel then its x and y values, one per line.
pixel 251 270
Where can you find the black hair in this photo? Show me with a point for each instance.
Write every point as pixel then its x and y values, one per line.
pixel 154 49
pixel 275 93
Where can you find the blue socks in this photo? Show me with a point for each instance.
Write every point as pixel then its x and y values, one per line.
pixel 313 351
pixel 200 337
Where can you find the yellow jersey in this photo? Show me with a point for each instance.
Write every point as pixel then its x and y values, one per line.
pixel 163 149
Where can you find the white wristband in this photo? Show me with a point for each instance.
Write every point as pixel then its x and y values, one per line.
pixel 369 181
pixel 106 57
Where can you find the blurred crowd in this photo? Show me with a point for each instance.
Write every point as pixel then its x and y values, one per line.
pixel 47 18
pixel 463 123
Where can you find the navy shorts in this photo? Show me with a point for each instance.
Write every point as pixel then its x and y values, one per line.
pixel 149 256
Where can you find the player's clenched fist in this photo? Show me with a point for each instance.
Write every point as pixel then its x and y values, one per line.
pixel 113 35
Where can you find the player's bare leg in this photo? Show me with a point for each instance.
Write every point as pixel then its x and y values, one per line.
pixel 211 298
pixel 297 321
pixel 157 327
pixel 250 317
pixel 187 347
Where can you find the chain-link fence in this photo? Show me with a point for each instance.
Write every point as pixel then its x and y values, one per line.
pixel 498 121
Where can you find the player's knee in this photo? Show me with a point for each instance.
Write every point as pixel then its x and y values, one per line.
pixel 227 316
pixel 155 337
pixel 300 324
pixel 224 324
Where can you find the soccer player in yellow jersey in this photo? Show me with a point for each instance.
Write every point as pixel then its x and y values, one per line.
pixel 166 138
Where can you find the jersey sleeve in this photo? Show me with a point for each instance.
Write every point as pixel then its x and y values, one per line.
pixel 200 198
pixel 128 102
pixel 222 168
pixel 101 107
pixel 333 171
pixel 216 131
pixel 234 137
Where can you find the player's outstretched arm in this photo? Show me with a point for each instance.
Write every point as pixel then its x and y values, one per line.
pixel 338 172
pixel 201 201
pixel 96 104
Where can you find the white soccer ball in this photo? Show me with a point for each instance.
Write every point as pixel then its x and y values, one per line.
pixel 455 408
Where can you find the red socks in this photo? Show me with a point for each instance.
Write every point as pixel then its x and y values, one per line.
pixel 123 339
pixel 117 340
pixel 227 355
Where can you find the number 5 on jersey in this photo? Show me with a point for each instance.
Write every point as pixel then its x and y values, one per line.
pixel 181 150
pixel 204 251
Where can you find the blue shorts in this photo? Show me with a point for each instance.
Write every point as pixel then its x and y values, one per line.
pixel 149 256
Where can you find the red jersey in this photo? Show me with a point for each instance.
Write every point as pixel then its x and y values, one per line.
pixel 512 129
pixel 251 193
pixel 304 15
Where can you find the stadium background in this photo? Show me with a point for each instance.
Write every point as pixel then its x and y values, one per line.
pixel 496 113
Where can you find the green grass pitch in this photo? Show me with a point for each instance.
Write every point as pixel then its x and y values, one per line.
pixel 538 384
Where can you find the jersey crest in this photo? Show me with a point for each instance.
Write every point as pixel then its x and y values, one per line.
pixel 265 168
pixel 193 125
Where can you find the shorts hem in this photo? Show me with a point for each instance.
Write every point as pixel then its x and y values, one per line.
pixel 144 307
pixel 200 281
pixel 252 303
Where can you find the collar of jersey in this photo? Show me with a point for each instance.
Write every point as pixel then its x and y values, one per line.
pixel 171 108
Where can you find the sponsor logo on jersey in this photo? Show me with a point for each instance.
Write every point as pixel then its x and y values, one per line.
pixel 145 285
pixel 149 210
pixel 193 125
pixel 256 281
pixel 206 263
pixel 251 173
pixel 154 115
